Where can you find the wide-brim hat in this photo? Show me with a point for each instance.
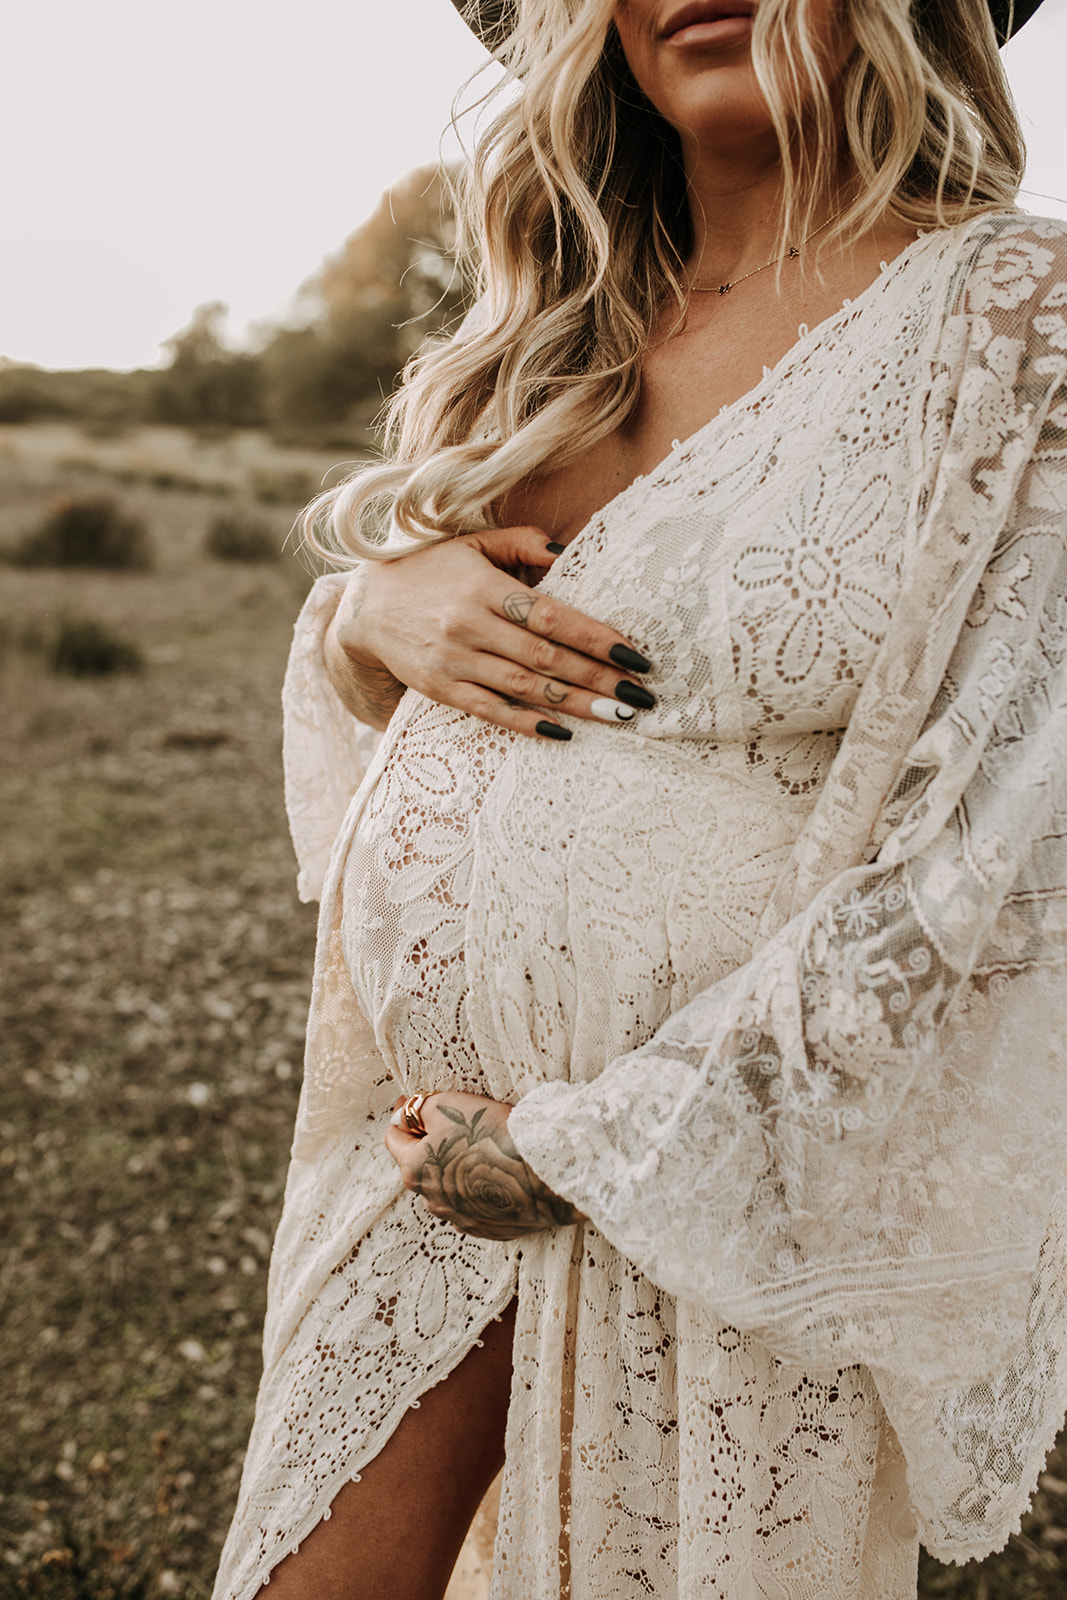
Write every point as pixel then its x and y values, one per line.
pixel 489 18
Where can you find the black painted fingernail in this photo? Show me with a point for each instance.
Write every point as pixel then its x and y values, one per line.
pixel 552 730
pixel 628 659
pixel 555 549
pixel 632 694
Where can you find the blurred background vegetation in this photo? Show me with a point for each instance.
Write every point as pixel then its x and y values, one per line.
pixel 319 380
pixel 154 961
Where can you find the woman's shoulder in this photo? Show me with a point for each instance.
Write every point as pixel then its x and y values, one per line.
pixel 1007 260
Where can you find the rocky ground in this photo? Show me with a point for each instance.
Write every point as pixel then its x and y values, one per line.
pixel 154 964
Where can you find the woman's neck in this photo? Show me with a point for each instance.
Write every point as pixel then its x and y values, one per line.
pixel 736 208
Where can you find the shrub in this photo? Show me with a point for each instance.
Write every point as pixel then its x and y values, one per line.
pixel 10 638
pixel 83 648
pixel 235 536
pixel 283 486
pixel 28 637
pixel 91 531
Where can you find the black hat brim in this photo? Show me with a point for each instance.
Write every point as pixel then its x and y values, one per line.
pixel 1008 19
pixel 486 18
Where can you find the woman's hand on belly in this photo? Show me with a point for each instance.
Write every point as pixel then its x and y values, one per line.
pixel 469 1172
pixel 455 623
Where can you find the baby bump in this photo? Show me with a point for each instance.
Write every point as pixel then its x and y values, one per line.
pixel 406 892
pixel 516 911
pixel 610 883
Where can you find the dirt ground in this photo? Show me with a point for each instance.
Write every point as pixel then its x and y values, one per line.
pixel 154 972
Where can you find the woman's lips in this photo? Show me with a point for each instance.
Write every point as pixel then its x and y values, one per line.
pixel 706 23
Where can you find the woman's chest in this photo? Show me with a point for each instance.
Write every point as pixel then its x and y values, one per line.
pixel 758 567
pixel 683 386
pixel 700 361
pixel 759 563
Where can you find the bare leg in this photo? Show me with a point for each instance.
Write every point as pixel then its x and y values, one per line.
pixel 398 1531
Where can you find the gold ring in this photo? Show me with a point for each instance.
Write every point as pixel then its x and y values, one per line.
pixel 411 1115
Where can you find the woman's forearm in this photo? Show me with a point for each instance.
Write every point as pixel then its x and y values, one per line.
pixel 364 685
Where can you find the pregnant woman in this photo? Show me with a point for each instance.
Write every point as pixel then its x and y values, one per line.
pixel 683 1118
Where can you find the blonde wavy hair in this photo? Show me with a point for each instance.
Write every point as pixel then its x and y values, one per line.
pixel 575 213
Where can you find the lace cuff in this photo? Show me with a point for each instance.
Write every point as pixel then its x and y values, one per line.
pixel 326 750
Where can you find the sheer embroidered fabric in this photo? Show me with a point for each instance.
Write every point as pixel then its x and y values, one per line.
pixel 775 975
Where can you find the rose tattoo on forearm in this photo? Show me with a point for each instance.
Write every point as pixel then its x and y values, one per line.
pixel 476 1178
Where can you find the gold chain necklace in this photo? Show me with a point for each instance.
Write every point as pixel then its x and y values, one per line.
pixel 790 255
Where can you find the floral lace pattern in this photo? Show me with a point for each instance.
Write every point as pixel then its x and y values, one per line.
pixel 757 967
pixel 852 1145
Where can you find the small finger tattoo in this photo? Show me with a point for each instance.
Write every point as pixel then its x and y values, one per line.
pixel 555 693
pixel 517 607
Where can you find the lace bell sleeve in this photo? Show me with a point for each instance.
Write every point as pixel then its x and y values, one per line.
pixel 853 1144
pixel 325 749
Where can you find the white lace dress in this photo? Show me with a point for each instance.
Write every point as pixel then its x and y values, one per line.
pixel 775 974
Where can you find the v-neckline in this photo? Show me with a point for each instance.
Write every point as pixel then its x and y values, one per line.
pixel 772 376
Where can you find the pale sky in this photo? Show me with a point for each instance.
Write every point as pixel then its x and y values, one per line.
pixel 157 157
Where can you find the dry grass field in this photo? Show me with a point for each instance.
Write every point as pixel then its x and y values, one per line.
pixel 154 967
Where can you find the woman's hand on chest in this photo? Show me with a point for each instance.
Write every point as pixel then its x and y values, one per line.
pixel 452 622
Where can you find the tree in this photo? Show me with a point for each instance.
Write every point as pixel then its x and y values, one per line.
pixel 393 283
pixel 206 383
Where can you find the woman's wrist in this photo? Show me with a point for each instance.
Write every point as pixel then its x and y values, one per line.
pixel 363 683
